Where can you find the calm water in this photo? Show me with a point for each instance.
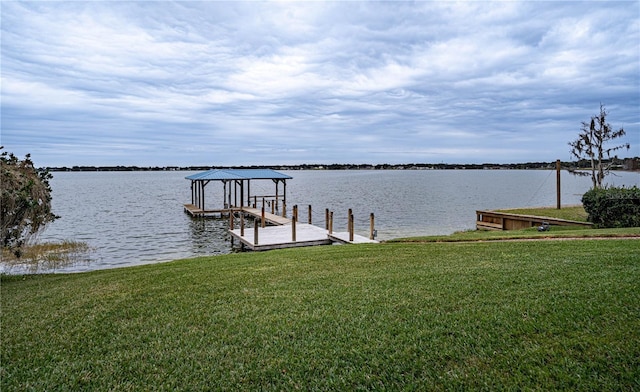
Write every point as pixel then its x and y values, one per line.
pixel 131 218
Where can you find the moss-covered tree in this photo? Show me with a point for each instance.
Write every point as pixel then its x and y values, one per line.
pixel 591 144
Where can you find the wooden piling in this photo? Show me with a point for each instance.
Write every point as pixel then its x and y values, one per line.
pixel 558 183
pixel 330 222
pixel 351 227
pixel 326 219
pixel 293 223
pixel 231 220
pixel 242 224
pixel 309 213
pixel 255 231
pixel 371 227
pixel 264 221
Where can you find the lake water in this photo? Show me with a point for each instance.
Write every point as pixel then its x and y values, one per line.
pixel 131 218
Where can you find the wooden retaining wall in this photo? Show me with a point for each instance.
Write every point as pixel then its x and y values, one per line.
pixel 492 220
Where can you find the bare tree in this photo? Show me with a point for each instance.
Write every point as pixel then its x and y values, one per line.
pixel 591 145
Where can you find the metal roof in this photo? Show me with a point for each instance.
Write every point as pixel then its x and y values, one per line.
pixel 238 174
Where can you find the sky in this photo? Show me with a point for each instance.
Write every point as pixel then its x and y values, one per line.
pixel 283 83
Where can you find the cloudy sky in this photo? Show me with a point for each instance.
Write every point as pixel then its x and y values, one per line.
pixel 239 83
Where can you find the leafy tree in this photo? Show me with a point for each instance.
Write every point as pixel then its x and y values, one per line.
pixel 26 200
pixel 591 145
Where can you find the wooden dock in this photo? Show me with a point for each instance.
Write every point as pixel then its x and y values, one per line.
pixel 268 217
pixel 285 233
pixel 280 237
pixel 200 213
pixel 492 220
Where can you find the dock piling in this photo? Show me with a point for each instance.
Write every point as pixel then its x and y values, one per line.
pixel 351 227
pixel 255 231
pixel 371 227
pixel 293 223
pixel 326 219
pixel 330 222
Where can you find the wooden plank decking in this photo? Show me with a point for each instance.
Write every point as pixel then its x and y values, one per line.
pixel 492 220
pixel 280 237
pixel 279 233
pixel 200 213
pixel 269 217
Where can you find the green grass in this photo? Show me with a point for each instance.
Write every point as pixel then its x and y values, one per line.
pixel 543 315
pixel 574 213
pixel 531 233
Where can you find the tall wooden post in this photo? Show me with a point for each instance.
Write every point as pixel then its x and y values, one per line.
pixel 349 219
pixel 231 220
pixel 371 230
pixel 241 224
pixel 351 227
pixel 326 219
pixel 558 182
pixel 255 231
pixel 309 213
pixel 264 221
pixel 330 222
pixel 293 224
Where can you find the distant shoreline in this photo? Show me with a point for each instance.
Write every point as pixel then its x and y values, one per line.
pixel 628 164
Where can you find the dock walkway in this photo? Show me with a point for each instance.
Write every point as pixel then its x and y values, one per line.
pixel 280 234
pixel 280 237
pixel 269 217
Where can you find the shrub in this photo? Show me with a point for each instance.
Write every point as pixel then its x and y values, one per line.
pixel 25 207
pixel 613 207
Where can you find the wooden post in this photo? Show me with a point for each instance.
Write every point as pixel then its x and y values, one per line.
pixel 231 220
pixel 241 224
pixel 293 224
pixel 331 222
pixel 309 213
pixel 348 219
pixel 284 209
pixel 371 230
pixel 273 208
pixel 255 232
pixel 264 221
pixel 326 219
pixel 295 213
pixel 558 182
pixel 351 227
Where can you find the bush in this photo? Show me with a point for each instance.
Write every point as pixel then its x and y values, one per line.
pixel 613 207
pixel 25 206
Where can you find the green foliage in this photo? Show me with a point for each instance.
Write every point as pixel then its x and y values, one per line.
pixel 26 200
pixel 527 315
pixel 613 207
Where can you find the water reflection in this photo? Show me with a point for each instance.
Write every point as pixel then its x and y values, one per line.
pixel 210 236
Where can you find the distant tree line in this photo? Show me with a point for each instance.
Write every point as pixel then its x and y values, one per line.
pixel 615 163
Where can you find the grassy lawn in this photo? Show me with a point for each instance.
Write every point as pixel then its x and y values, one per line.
pixel 524 315
pixel 574 213
pixel 531 233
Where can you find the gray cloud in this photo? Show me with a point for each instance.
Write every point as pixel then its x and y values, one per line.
pixel 157 83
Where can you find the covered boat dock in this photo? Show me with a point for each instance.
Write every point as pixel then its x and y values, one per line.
pixel 237 190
